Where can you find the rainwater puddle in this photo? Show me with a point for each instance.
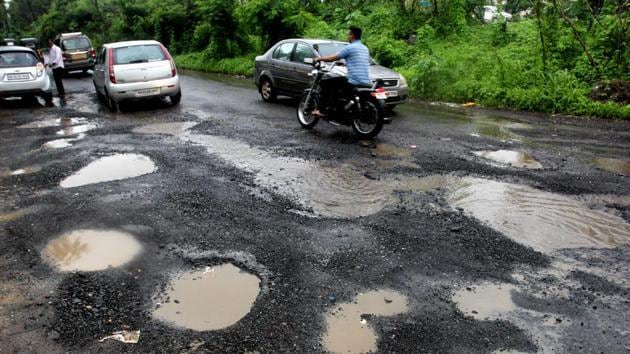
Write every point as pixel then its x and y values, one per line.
pixel 171 128
pixel 77 129
pixel 348 327
pixel 386 150
pixel 62 143
pixel 513 158
pixel 327 191
pixel 64 122
pixel 91 250
pixel 111 168
pixel 21 171
pixel 210 299
pixel 545 221
pixel 621 167
pixel 485 301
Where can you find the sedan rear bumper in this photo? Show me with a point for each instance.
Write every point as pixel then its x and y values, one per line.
pixel 79 64
pixel 143 90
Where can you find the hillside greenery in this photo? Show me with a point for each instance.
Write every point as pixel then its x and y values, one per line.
pixel 548 58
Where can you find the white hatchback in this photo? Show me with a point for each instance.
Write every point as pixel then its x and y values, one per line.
pixel 22 74
pixel 135 70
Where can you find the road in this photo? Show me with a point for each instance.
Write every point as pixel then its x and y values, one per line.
pixel 220 225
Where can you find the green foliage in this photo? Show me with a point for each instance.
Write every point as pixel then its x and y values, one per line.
pixel 201 62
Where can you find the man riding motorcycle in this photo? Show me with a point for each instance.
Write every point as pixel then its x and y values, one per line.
pixel 357 57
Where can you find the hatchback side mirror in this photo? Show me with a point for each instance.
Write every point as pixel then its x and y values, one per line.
pixel 309 61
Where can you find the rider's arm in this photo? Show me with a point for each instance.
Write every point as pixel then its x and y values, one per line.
pixel 328 58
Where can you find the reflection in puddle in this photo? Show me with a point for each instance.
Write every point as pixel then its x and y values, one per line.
pixel 348 327
pixel 613 165
pixel 21 171
pixel 171 128
pixel 328 191
pixel 91 250
pixel 512 158
pixel 65 122
pixel 210 299
pixel 542 220
pixel 111 168
pixel 62 143
pixel 485 301
pixel 77 129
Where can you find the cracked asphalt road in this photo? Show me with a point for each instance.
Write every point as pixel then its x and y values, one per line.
pixel 487 257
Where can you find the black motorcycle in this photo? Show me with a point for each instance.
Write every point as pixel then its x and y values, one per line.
pixel 363 108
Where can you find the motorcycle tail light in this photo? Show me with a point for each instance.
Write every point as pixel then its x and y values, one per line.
pixel 380 90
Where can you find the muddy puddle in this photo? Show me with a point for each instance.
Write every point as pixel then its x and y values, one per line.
pixel 169 128
pixel 545 221
pixel 617 166
pixel 209 299
pixel 62 143
pixel 14 215
pixel 54 122
pixel 512 158
pixel 348 327
pixel 76 129
pixel 485 301
pixel 91 250
pixel 111 168
pixel 386 150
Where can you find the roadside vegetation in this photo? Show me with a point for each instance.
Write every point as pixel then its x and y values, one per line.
pixel 557 56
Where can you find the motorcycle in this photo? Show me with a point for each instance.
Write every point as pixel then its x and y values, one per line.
pixel 363 109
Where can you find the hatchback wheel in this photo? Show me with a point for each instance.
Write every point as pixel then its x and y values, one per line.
pixel 111 104
pixel 175 99
pixel 267 91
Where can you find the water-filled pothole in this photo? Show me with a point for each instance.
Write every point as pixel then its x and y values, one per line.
pixel 54 122
pixel 348 326
pixel 168 128
pixel 76 129
pixel 62 143
pixel 485 301
pixel 513 158
pixel 91 250
pixel 618 166
pixel 111 168
pixel 209 299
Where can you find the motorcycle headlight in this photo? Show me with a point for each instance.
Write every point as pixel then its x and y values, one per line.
pixel 40 69
pixel 403 81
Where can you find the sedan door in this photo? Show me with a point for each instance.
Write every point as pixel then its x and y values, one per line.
pixel 300 79
pixel 281 66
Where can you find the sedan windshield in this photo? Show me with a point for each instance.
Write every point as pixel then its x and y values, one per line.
pixel 326 49
pixel 17 60
pixel 138 54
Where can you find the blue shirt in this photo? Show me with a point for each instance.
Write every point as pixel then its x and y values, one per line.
pixel 357 58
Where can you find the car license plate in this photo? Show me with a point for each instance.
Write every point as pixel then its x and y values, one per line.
pixel 18 77
pixel 380 95
pixel 392 93
pixel 148 92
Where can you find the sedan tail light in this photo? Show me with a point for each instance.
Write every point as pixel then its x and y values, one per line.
pixel 112 62
pixel 171 61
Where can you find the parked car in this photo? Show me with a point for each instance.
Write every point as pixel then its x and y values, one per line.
pixel 77 51
pixel 282 71
pixel 33 44
pixel 22 74
pixel 135 70
pixel 8 41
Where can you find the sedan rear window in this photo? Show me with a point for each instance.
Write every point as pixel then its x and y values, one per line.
pixel 75 43
pixel 138 54
pixel 17 60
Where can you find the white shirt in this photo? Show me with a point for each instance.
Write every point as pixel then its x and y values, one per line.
pixel 55 60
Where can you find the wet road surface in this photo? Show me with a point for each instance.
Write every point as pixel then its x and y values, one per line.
pixel 220 225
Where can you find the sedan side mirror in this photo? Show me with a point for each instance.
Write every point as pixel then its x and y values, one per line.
pixel 309 61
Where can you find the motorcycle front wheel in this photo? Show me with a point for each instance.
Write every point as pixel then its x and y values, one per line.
pixel 368 121
pixel 308 103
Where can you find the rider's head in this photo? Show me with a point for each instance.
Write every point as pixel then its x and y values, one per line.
pixel 354 33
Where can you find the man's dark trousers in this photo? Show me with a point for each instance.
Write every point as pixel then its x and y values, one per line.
pixel 58 74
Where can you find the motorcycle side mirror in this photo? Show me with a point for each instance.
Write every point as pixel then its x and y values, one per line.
pixel 340 63
pixel 309 61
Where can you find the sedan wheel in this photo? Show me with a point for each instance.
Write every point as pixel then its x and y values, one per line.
pixel 267 92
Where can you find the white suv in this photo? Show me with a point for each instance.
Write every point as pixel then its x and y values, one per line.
pixel 135 70
pixel 22 74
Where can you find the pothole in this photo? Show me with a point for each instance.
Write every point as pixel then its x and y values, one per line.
pixel 62 143
pixel 512 158
pixel 386 150
pixel 54 122
pixel 543 220
pixel 111 168
pixel 208 299
pixel 618 166
pixel 348 326
pixel 485 301
pixel 169 128
pixel 21 171
pixel 91 250
pixel 76 129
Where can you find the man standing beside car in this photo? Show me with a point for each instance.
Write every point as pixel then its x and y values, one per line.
pixel 357 57
pixel 55 62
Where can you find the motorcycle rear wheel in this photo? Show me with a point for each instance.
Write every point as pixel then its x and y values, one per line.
pixel 369 121
pixel 305 109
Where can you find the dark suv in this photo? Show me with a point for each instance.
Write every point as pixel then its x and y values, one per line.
pixel 77 50
pixel 282 71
